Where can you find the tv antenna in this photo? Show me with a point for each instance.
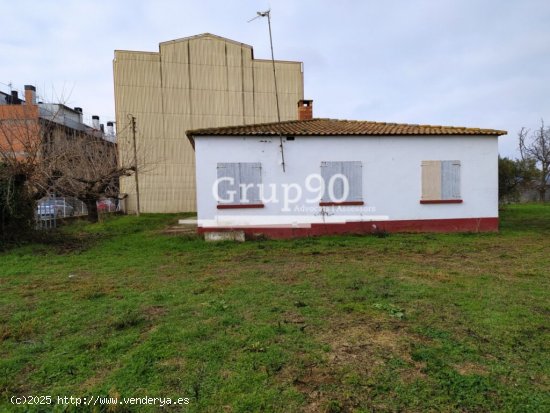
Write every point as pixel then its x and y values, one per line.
pixel 267 14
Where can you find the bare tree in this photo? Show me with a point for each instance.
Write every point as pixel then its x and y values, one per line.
pixel 46 156
pixel 535 147
pixel 87 168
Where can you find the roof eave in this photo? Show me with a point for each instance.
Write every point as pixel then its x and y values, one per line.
pixel 191 134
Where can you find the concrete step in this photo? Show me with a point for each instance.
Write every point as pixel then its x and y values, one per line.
pixel 185 226
pixel 188 221
pixel 224 236
pixel 180 230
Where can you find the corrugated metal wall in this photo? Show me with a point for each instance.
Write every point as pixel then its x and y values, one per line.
pixel 198 82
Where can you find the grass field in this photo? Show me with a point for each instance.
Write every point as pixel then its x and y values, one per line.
pixel 456 322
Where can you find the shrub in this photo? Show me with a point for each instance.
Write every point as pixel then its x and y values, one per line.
pixel 16 207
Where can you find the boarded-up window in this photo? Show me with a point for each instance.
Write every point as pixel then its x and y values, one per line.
pixel 440 180
pixel 343 181
pixel 239 182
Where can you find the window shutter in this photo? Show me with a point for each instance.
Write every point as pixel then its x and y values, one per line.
pixel 245 173
pixel 450 179
pixel 431 180
pixel 228 170
pixel 328 170
pixel 352 170
pixel 250 173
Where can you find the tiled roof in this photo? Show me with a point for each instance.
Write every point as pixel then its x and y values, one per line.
pixel 335 127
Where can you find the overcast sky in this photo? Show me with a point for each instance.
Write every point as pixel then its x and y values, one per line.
pixel 481 63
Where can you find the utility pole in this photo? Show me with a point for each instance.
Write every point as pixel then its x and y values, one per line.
pixel 268 14
pixel 136 175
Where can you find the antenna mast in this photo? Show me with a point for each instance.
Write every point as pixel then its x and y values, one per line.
pixel 268 14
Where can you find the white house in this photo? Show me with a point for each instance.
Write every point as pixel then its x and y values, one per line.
pixel 324 176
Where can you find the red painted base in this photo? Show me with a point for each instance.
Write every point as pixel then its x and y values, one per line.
pixel 418 225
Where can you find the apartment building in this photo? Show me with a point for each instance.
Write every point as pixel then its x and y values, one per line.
pixel 194 82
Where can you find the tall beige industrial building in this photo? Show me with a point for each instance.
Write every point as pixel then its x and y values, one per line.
pixel 193 82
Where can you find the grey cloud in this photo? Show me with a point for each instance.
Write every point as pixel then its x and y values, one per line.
pixel 463 62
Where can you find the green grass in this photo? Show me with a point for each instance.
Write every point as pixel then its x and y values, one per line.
pixel 427 322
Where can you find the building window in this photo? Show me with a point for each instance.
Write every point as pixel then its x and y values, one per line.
pixel 440 182
pixel 239 185
pixel 343 183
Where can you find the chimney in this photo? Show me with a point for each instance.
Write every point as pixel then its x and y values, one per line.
pixel 110 129
pixel 15 98
pixel 95 122
pixel 305 109
pixel 30 95
pixel 102 128
pixel 79 111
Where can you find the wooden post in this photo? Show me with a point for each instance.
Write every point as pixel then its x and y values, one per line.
pixel 136 175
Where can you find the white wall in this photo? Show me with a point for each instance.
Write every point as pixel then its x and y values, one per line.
pixel 391 176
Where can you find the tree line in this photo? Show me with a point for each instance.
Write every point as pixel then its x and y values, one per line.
pixel 531 171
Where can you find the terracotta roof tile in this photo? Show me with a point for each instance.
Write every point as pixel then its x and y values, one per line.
pixel 335 127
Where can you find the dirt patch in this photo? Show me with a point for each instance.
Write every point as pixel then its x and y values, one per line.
pixel 154 312
pixel 177 363
pixel 368 347
pixel 364 337
pixel 97 379
pixel 312 384
pixel 358 342
pixel 290 317
pixel 468 369
pixel 360 349
pixel 314 377
pixel 149 315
